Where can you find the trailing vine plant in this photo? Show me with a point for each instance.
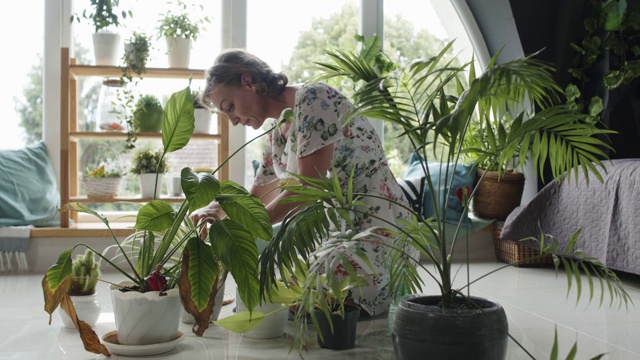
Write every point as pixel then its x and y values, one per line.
pixel 612 29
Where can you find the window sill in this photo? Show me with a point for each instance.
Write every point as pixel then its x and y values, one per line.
pixel 84 230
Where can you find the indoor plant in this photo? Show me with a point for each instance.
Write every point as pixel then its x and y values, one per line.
pixel 150 166
pixel 415 98
pixel 203 115
pixel 136 52
pixel 180 29
pixel 169 250
pixel 104 180
pixel 147 114
pixel 82 290
pixel 104 18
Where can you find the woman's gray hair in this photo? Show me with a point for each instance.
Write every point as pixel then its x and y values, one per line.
pixel 229 67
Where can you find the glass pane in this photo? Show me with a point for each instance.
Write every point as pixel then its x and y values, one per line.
pixel 294 44
pixel 146 15
pixel 99 106
pixel 414 29
pixel 21 97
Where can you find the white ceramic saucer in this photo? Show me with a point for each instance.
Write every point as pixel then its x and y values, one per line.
pixel 111 342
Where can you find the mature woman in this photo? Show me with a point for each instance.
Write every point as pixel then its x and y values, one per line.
pixel 247 90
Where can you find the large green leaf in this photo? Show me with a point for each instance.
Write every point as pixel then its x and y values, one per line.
pixel 178 122
pixel 245 209
pixel 56 282
pixel 155 215
pixel 241 322
pixel 202 271
pixel 199 188
pixel 236 247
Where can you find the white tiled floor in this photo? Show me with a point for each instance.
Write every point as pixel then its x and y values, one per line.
pixel 535 300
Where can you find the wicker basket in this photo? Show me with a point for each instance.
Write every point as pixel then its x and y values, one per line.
pixel 101 187
pixel 512 252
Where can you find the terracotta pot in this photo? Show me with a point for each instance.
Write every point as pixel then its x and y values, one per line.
pixel 496 197
pixel 421 327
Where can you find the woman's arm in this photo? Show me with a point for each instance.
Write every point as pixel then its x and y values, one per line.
pixel 266 192
pixel 313 165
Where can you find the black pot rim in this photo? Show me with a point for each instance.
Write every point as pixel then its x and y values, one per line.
pixel 412 302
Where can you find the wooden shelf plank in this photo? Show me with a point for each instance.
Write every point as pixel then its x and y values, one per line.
pixel 156 73
pixel 136 199
pixel 118 135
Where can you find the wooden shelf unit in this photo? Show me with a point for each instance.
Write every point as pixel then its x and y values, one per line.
pixel 69 134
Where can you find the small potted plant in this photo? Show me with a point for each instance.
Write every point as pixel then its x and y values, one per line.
pixel 104 180
pixel 82 290
pixel 147 114
pixel 150 166
pixel 104 18
pixel 136 52
pixel 203 115
pixel 180 29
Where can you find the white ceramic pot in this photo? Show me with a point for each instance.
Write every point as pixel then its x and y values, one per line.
pixel 272 326
pixel 145 318
pixel 187 318
pixel 106 46
pixel 147 181
pixel 87 309
pixel 178 52
pixel 174 187
pixel 202 123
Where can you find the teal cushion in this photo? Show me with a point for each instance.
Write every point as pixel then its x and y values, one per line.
pixel 440 174
pixel 28 190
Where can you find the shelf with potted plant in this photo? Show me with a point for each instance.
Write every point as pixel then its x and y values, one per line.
pixel 71 135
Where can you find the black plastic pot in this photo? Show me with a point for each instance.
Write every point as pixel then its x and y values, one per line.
pixel 421 327
pixel 344 329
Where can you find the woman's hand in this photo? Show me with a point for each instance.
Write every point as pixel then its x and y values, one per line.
pixel 206 215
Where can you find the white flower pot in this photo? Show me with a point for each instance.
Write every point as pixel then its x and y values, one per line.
pixel 202 123
pixel 178 52
pixel 147 181
pixel 106 47
pixel 145 318
pixel 187 318
pixel 272 326
pixel 87 309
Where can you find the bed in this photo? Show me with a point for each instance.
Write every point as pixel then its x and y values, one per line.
pixel 607 212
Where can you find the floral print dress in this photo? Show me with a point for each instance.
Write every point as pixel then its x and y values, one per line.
pixel 317 123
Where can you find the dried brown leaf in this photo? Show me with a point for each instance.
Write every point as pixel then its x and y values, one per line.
pixel 90 339
pixel 52 299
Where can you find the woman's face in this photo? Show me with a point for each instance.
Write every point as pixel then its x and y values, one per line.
pixel 241 104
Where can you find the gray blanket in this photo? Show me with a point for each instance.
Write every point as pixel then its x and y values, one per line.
pixel 607 212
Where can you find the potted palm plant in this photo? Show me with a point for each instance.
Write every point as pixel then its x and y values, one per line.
pixel 168 259
pixel 180 29
pixel 415 97
pixel 105 18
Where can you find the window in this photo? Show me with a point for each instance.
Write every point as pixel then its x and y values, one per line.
pixel 292 44
pixel 21 95
pixel 96 100
pixel 413 30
